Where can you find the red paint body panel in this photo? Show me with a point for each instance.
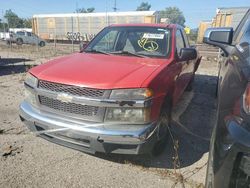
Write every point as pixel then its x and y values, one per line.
pixel 98 70
pixel 144 25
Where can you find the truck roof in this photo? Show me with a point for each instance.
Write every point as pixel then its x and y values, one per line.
pixel 146 25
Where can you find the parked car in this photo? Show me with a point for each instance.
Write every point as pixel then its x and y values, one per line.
pixel 229 156
pixel 116 95
pixel 25 37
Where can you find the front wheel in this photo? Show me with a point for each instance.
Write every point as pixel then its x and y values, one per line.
pixel 163 128
pixel 19 41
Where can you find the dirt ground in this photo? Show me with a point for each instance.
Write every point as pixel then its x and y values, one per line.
pixel 29 161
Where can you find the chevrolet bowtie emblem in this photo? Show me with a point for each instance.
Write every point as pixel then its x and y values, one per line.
pixel 64 97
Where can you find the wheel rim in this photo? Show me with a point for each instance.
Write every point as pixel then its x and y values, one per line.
pixel 42 44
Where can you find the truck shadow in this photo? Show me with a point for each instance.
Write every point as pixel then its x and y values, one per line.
pixel 192 122
pixel 13 66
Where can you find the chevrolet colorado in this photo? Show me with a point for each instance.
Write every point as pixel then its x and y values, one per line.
pixel 116 95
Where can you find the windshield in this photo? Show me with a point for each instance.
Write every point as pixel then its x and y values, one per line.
pixel 140 41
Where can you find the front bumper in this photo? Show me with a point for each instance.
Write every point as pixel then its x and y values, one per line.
pixel 90 137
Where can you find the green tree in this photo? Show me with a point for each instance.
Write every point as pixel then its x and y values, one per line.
pixel 27 22
pixel 173 15
pixel 193 35
pixel 3 26
pixel 12 19
pixel 144 6
pixel 83 10
pixel 91 9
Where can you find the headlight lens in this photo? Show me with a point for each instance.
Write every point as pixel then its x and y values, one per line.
pixel 128 115
pixel 131 94
pixel 30 97
pixel 31 80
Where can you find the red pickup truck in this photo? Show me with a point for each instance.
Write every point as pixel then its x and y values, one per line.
pixel 116 95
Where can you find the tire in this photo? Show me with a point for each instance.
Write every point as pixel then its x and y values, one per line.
pixel 42 44
pixel 163 129
pixel 19 41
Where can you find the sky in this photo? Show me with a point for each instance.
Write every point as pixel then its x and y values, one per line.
pixel 193 10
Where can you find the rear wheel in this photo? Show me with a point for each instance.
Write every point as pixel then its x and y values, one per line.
pixel 19 41
pixel 42 44
pixel 162 130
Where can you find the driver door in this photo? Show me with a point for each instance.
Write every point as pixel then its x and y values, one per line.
pixel 184 77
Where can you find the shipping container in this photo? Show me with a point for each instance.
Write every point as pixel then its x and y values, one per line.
pixel 83 26
pixel 225 17
pixel 202 28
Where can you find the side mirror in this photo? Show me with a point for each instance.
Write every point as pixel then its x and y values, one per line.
pixel 221 37
pixel 188 54
pixel 82 46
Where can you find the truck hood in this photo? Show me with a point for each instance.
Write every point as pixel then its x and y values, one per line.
pixel 98 70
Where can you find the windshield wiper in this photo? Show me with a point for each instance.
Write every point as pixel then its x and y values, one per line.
pixel 129 53
pixel 97 52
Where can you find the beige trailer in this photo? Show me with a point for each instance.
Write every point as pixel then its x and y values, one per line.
pixel 202 28
pixel 225 17
pixel 83 26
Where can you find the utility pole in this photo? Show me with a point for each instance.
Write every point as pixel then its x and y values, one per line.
pixel 115 8
pixel 106 12
pixel 72 33
pixel 4 25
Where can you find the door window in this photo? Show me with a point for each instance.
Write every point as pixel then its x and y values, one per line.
pixel 20 33
pixel 242 31
pixel 179 42
pixel 246 35
pixel 28 34
pixel 185 38
pixel 107 42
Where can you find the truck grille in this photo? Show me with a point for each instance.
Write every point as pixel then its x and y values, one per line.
pixel 73 90
pixel 72 108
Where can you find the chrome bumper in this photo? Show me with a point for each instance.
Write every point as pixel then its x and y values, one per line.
pixel 90 137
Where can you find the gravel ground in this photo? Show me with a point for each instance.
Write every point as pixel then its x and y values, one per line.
pixel 29 161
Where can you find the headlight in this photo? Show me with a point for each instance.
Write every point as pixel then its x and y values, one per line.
pixel 131 94
pixel 30 97
pixel 31 80
pixel 128 115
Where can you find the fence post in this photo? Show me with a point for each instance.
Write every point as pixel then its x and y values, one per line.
pixel 72 31
pixel 55 38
